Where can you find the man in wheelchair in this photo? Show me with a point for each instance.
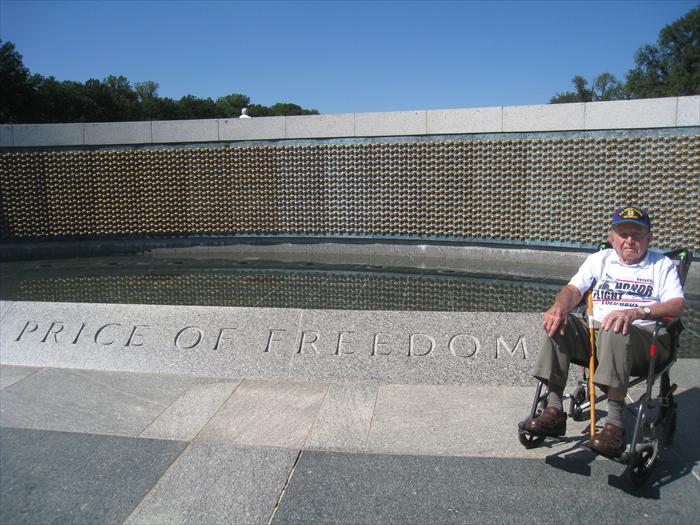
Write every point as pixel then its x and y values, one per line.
pixel 632 288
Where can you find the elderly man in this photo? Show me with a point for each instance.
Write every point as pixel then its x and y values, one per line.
pixel 632 287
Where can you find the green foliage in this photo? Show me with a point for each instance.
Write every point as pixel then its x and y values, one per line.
pixel 16 86
pixel 670 69
pixel 605 87
pixel 289 109
pixel 231 105
pixel 26 98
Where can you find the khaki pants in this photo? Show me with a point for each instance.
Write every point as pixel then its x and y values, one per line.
pixel 618 356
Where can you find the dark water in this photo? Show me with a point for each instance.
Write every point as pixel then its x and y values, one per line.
pixel 254 283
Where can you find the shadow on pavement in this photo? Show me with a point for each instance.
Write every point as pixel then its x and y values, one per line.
pixel 686 445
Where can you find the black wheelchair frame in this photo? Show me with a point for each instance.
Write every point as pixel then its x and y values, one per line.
pixel 655 422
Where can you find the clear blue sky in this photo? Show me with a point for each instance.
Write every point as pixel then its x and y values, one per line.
pixel 340 56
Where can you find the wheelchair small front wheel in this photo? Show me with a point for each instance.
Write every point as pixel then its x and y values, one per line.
pixel 576 413
pixel 643 465
pixel 578 397
pixel 530 440
pixel 527 439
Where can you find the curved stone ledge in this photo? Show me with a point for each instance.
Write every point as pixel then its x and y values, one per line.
pixel 655 113
pixel 387 347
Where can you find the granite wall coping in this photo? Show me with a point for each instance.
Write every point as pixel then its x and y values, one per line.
pixel 277 343
pixel 657 113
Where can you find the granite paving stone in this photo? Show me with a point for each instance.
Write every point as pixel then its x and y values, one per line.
pixel 218 484
pixel 344 419
pixel 267 413
pixel 67 478
pixel 189 413
pixel 89 401
pixel 331 487
pixel 472 420
pixel 9 375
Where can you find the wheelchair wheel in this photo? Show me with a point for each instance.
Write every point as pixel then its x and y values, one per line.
pixel 530 440
pixel 527 439
pixel 578 397
pixel 642 468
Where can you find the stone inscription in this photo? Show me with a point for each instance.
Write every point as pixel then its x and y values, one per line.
pixel 304 342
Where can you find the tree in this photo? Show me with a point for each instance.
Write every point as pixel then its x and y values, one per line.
pixel 146 90
pixel 65 102
pixel 125 101
pixel 289 109
pixel 191 107
pixel 114 100
pixel 231 105
pixel 257 110
pixel 669 69
pixel 17 94
pixel 672 68
pixel 165 109
pixel 147 93
pixel 605 87
pixel 26 98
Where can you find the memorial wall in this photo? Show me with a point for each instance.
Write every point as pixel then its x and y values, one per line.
pixel 357 185
pixel 531 175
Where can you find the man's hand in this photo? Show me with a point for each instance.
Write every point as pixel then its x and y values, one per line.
pixel 557 316
pixel 620 320
pixel 555 319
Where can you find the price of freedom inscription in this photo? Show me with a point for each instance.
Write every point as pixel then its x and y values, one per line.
pixel 430 347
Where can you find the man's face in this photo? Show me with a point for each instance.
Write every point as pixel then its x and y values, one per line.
pixel 630 241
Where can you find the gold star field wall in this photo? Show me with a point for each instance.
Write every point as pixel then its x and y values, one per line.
pixel 538 191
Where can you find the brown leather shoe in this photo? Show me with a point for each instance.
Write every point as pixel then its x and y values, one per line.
pixel 551 422
pixel 610 442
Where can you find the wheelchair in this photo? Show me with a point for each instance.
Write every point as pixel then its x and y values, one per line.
pixel 655 417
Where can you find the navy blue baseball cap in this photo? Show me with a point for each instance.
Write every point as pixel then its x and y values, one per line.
pixel 633 215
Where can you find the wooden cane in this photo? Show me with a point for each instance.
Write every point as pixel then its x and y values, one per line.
pixel 591 364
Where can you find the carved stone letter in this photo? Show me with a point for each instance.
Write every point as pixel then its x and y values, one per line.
pixel 134 334
pixel 99 331
pixel 220 337
pixel 55 333
pixel 271 339
pixel 179 335
pixel 412 344
pixel 77 336
pixel 311 343
pixel 471 341
pixel 26 329
pixel 377 343
pixel 338 348
pixel 502 343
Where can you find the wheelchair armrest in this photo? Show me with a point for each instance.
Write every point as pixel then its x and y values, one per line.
pixel 666 321
pixel 671 324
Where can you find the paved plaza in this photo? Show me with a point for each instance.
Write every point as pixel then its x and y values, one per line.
pixel 247 414
pixel 85 446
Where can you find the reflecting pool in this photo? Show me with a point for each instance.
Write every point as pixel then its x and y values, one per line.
pixel 260 283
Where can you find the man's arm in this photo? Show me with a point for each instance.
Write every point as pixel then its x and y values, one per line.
pixel 555 318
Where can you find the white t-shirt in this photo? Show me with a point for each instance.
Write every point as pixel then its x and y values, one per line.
pixel 618 286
